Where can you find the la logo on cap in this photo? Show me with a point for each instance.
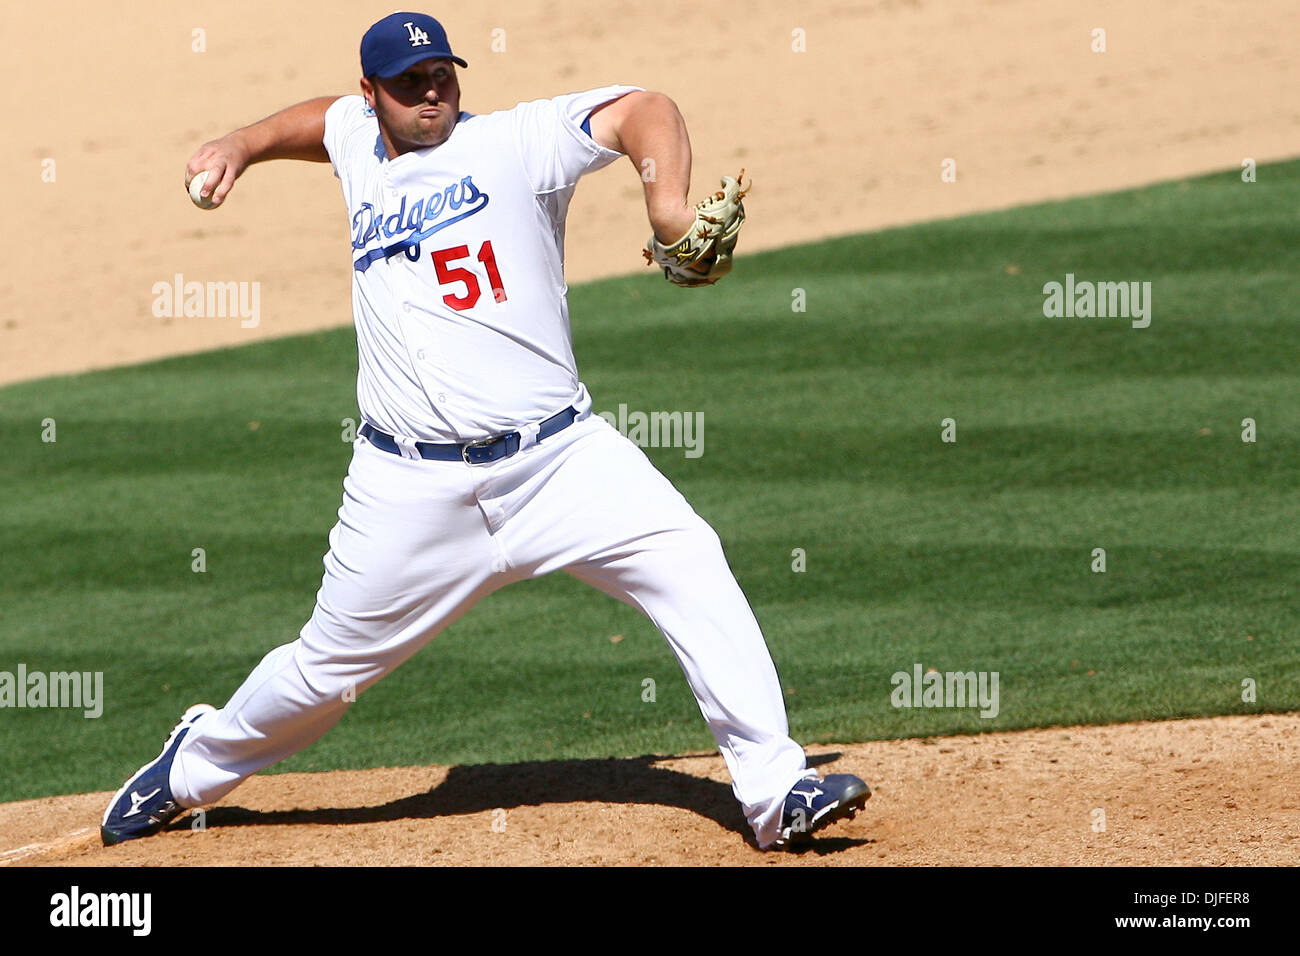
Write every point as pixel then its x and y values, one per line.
pixel 418 36
pixel 387 49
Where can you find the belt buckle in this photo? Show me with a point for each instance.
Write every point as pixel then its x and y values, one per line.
pixel 484 443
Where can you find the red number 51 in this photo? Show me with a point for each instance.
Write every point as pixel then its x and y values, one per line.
pixel 442 260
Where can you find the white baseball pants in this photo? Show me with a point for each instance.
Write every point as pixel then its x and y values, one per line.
pixel 419 542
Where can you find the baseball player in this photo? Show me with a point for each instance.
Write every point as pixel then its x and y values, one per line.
pixel 479 461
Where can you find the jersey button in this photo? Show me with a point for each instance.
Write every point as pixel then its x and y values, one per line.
pixel 406 307
pixel 420 355
pixel 442 396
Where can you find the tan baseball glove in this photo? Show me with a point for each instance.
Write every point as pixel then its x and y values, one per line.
pixel 703 255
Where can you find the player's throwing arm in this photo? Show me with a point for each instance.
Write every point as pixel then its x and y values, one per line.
pixel 294 133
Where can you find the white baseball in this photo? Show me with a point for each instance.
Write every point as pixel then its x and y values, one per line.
pixel 196 184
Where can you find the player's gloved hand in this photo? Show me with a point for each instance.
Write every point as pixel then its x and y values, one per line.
pixel 703 255
pixel 224 159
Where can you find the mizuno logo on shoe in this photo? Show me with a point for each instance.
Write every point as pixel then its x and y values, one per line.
pixel 808 796
pixel 137 801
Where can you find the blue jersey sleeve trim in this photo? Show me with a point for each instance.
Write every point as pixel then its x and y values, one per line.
pixel 586 125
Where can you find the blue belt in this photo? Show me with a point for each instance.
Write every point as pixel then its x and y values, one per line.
pixel 475 452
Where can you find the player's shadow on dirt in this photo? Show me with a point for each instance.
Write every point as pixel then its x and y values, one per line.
pixel 484 787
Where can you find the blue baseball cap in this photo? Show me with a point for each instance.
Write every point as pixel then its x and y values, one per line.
pixel 401 40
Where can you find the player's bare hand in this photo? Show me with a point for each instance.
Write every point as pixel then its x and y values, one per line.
pixel 225 159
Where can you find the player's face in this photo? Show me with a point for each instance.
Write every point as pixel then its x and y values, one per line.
pixel 418 108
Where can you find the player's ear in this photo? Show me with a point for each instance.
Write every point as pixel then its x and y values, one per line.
pixel 368 91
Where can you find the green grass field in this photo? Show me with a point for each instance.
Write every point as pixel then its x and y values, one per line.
pixel 822 432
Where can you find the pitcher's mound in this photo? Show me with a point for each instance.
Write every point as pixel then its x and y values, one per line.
pixel 1210 792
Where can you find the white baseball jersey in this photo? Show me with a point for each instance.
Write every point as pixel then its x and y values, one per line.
pixel 458 284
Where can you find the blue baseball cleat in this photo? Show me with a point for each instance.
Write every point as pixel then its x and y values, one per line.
pixel 814 803
pixel 144 805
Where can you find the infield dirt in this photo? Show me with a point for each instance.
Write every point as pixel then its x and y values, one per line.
pixel 1202 792
pixel 847 136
